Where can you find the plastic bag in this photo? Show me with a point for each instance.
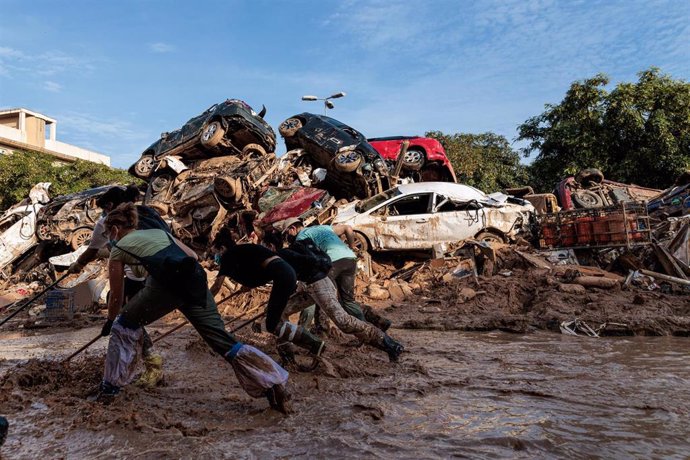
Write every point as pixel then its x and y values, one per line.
pixel 256 371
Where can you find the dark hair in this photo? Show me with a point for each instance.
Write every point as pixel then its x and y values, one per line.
pixel 118 195
pixel 125 216
pixel 224 238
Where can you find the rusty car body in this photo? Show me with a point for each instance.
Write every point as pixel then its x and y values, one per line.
pixel 420 215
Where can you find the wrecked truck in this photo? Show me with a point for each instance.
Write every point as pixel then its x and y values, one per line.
pixel 227 128
pixel 420 215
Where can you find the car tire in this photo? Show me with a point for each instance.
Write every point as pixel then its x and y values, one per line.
pixel 161 183
pixel 361 243
pixel 80 237
pixel 413 160
pixel 250 150
pixel 348 161
pixel 212 134
pixel 228 188
pixel 43 231
pixel 289 127
pixel 587 199
pixel 590 175
pixel 490 237
pixel 144 166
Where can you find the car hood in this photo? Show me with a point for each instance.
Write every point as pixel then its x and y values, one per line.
pixel 346 213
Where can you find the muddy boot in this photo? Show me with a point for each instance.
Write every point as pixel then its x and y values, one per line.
pixel 393 348
pixel 286 353
pixel 104 394
pixel 305 339
pixel 153 373
pixel 4 426
pixel 279 398
pixel 374 318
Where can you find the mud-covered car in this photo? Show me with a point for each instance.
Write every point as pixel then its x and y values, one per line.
pixel 70 218
pixel 425 159
pixel 418 216
pixel 354 168
pixel 228 128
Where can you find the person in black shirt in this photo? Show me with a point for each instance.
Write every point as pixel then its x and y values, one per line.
pixel 253 265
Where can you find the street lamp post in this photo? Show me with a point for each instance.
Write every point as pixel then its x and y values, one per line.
pixel 327 103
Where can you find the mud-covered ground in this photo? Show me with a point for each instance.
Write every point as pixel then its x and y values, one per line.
pixel 454 392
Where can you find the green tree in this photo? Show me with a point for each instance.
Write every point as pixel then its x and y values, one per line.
pixel 485 160
pixel 22 170
pixel 638 133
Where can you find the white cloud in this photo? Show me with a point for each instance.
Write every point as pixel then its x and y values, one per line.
pixel 160 47
pixel 48 63
pixel 52 86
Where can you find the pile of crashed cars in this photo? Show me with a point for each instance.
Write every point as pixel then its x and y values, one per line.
pixel 398 193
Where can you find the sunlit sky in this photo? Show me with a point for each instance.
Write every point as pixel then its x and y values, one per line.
pixel 117 74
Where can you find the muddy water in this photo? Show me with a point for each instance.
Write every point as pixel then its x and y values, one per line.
pixel 479 395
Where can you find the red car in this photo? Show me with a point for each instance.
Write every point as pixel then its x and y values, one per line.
pixel 425 161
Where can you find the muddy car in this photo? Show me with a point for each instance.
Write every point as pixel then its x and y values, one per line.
pixel 354 168
pixel 424 161
pixel 418 216
pixel 70 218
pixel 227 128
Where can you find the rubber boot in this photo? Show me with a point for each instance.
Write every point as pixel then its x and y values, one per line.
pixel 307 340
pixel 153 373
pixel 393 348
pixel 4 426
pixel 286 353
pixel 374 318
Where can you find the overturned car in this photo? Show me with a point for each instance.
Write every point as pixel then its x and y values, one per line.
pixel 419 216
pixel 228 128
pixel 354 169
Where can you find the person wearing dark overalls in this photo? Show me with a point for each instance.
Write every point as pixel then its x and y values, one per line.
pixel 148 219
pixel 174 280
pixel 254 265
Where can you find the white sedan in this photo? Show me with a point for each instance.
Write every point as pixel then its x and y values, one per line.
pixel 420 215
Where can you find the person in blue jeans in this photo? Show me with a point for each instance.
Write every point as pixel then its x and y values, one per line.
pixel 343 271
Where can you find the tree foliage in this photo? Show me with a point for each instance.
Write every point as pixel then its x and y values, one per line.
pixel 22 170
pixel 637 133
pixel 485 161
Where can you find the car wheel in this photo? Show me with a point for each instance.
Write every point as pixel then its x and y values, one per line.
pixel 43 231
pixel 212 134
pixel 161 183
pixel 413 160
pixel 250 150
pixel 228 188
pixel 591 175
pixel 80 237
pixel 361 243
pixel 289 127
pixel 490 237
pixel 587 199
pixel 348 161
pixel 144 166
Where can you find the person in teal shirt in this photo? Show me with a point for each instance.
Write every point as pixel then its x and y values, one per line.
pixel 344 260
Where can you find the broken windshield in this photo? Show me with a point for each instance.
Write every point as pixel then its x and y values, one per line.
pixel 365 205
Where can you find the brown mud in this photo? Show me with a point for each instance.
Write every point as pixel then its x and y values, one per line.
pixel 454 392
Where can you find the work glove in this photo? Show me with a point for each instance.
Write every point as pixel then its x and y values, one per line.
pixel 105 332
pixel 76 267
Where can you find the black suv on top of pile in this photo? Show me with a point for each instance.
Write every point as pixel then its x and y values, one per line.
pixel 354 168
pixel 227 128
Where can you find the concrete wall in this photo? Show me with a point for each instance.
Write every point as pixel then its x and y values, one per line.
pixel 76 152
pixel 35 131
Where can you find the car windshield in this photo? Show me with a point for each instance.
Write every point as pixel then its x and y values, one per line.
pixel 365 205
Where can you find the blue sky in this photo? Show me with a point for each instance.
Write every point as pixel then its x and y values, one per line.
pixel 117 74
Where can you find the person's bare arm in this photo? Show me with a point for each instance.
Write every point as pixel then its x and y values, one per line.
pixel 344 229
pixel 116 275
pixel 187 250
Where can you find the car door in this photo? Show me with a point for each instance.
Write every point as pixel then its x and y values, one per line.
pixel 457 219
pixel 405 223
pixel 19 238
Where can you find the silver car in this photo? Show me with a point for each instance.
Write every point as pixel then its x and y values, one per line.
pixel 418 216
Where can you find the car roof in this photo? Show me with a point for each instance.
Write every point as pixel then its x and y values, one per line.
pixel 392 138
pixel 449 189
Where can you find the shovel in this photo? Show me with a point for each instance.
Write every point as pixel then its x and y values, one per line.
pixel 33 299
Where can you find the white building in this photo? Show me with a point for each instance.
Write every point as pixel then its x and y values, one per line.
pixel 22 129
